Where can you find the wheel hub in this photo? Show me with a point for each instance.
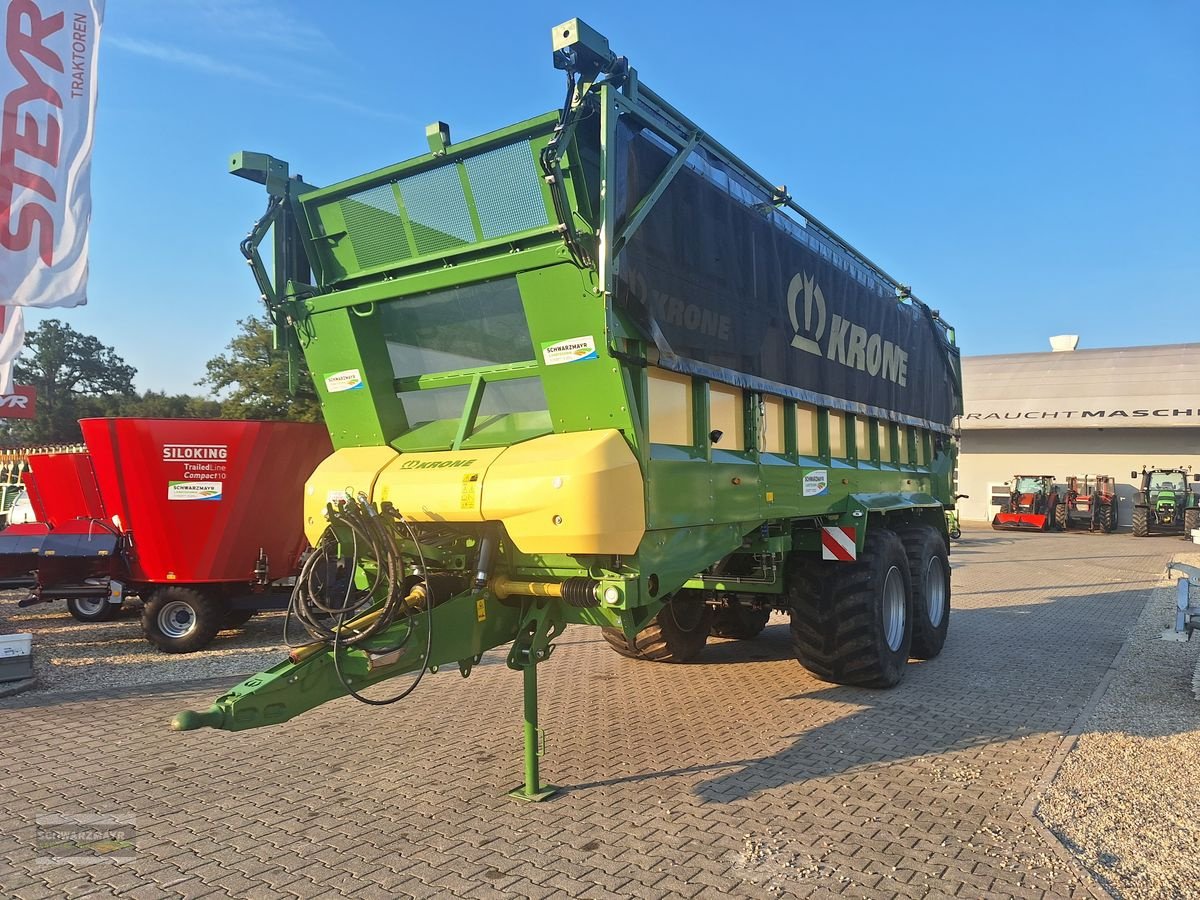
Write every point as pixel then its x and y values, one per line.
pixel 90 606
pixel 894 608
pixel 176 619
pixel 935 590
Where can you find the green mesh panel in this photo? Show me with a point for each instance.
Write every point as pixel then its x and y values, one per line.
pixel 437 210
pixel 508 196
pixel 375 227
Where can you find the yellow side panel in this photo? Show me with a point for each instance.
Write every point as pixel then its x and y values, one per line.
pixel 568 493
pixel 437 487
pixel 773 437
pixel 726 415
pixel 351 469
pixel 670 407
pixel 807 443
pixel 837 434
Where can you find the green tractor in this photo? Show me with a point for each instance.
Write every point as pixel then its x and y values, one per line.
pixel 1164 504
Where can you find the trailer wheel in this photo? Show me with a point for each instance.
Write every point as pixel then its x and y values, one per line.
pixel 1141 521
pixel 929 574
pixel 851 621
pixel 1107 525
pixel 92 609
pixel 236 618
pixel 1191 521
pixel 180 620
pixel 1061 520
pixel 676 635
pixel 739 622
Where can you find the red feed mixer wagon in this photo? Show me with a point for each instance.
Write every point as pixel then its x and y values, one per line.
pixel 197 518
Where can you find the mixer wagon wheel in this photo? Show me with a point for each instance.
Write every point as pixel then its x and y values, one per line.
pixel 676 635
pixel 181 620
pixel 92 609
pixel 739 622
pixel 929 574
pixel 236 618
pixel 851 622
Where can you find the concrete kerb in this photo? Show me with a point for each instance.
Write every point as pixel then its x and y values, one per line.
pixel 1030 807
pixel 12 688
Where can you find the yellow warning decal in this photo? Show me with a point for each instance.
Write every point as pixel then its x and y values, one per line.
pixel 468 491
pixel 480 610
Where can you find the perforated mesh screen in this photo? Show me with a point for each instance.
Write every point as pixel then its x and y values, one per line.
pixel 507 195
pixel 375 227
pixel 437 210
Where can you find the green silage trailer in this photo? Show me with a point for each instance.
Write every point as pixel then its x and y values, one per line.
pixel 592 369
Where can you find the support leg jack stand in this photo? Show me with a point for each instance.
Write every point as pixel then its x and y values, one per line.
pixel 532 790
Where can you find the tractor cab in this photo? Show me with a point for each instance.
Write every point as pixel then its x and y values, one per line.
pixel 1164 503
pixel 1031 504
pixel 1087 501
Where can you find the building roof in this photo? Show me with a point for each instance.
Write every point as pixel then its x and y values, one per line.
pixel 1118 387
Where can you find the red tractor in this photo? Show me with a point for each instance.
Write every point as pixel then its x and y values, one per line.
pixel 1087 502
pixel 1032 505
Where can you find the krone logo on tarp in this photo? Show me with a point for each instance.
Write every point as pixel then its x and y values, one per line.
pixel 847 343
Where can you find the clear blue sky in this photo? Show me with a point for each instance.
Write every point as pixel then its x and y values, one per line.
pixel 1030 168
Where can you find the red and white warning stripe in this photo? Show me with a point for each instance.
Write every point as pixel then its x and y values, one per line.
pixel 838 543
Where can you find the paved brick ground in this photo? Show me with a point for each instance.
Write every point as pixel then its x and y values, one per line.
pixel 741 776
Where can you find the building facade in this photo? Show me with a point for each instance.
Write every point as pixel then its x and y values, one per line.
pixel 1077 412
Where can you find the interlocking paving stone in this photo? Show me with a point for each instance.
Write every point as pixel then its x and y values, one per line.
pixel 738 776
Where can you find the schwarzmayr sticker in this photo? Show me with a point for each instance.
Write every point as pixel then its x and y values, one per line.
pixel 816 483
pixel 194 490
pixel 349 380
pixel 569 351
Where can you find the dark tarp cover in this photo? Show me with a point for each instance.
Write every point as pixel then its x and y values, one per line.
pixel 731 288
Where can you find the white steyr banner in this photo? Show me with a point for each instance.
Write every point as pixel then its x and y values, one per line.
pixel 48 81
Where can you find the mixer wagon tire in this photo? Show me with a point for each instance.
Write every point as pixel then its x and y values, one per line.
pixel 676 635
pixel 1061 520
pixel 739 622
pixel 1141 521
pixel 92 609
pixel 236 618
pixel 851 622
pixel 181 620
pixel 929 574
pixel 1191 521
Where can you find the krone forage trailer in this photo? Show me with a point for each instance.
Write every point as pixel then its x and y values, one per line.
pixel 592 369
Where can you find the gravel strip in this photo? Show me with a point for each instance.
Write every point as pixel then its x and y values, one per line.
pixel 1124 801
pixel 70 656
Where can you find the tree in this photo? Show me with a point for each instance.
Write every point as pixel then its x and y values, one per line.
pixel 255 375
pixel 75 376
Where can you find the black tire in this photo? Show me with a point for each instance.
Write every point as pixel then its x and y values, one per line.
pixel 676 635
pixel 1191 521
pixel 1107 522
pixel 92 609
pixel 929 576
pixel 236 618
pixel 1141 521
pixel 181 620
pixel 1061 520
pixel 839 618
pixel 955 533
pixel 739 622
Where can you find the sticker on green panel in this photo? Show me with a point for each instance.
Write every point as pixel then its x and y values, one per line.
pixel 569 351
pixel 348 380
pixel 816 483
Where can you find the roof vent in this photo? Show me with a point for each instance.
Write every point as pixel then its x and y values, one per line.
pixel 1064 343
